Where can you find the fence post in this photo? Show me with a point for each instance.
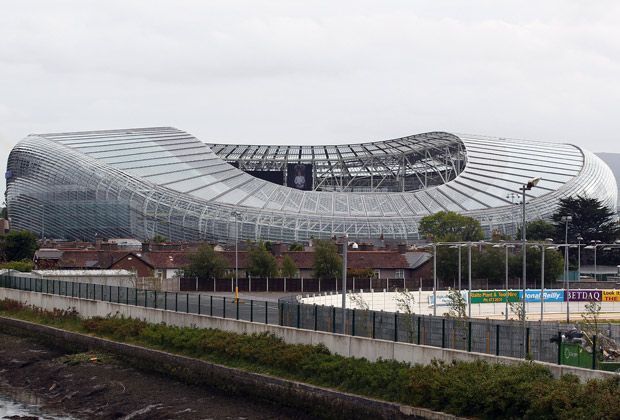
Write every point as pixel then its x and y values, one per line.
pixel 374 317
pixel 469 336
pixel 237 308
pixel 211 305
pixel 155 292
pixel 251 310
pixel 527 341
pixel 594 352
pixel 135 297
pixel 443 333
pixel 395 326
pixel 419 328
pixel 559 347
pixel 127 295
pixel 176 302
pixel 298 315
pixel 281 312
pixel 146 298
pixel 333 319
pixel 198 303
pixel 315 317
pixel 187 303
pixel 497 339
pixel 353 323
pixel 109 293
pixel 224 307
pixel 101 290
pixel 266 312
pixel 165 301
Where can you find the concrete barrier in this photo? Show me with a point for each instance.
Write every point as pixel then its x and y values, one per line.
pixel 345 345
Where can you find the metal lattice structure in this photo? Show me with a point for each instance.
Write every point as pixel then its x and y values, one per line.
pixel 404 164
pixel 162 181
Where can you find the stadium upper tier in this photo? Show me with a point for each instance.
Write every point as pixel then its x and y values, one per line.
pixel 163 181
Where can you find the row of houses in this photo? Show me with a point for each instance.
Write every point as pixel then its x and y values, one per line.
pixel 399 263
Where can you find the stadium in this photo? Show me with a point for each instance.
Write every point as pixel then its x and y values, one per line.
pixel 144 182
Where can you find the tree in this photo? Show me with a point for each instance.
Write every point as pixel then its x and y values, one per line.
pixel 288 268
pixel 538 230
pixel 554 265
pixel 205 263
pixel 3 213
pixel 296 247
pixel 457 304
pixel 327 262
pixel 25 266
pixel 261 262
pixel 158 239
pixel 20 245
pixel 450 226
pixel 590 219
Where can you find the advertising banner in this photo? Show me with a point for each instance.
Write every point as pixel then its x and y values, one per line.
pixel 299 176
pixel 442 298
pixel 584 295
pixel 611 295
pixel 550 295
pixel 494 296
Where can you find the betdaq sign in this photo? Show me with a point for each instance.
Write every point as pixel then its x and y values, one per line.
pixel 583 295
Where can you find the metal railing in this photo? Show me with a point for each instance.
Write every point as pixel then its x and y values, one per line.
pixel 501 338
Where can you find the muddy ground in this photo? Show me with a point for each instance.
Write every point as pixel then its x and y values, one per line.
pixel 100 386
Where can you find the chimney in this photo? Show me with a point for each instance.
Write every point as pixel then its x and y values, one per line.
pixel 277 249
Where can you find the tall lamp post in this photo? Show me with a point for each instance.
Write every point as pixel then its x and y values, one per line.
pixel 236 215
pixel 525 187
pixel 579 239
pixel 566 219
pixel 345 246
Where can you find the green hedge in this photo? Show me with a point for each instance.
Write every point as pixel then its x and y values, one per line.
pixel 475 389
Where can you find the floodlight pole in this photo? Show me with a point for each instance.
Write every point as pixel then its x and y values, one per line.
pixel 542 281
pixel 434 279
pixel 460 246
pixel 506 297
pixel 469 279
pixel 345 245
pixel 566 219
pixel 525 187
pixel 236 214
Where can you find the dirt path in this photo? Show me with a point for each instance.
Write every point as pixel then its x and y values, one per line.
pixel 89 385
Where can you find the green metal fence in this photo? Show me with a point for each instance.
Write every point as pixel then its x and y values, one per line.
pixel 502 338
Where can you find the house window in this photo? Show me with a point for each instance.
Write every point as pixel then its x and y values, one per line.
pixel 399 273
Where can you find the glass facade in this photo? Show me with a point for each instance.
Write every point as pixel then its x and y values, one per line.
pixel 144 182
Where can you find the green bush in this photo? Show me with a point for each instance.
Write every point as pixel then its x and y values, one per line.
pixel 476 389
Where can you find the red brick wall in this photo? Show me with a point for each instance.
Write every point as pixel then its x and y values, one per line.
pixel 131 262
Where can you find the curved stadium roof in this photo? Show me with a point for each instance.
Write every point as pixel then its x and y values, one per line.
pixel 143 182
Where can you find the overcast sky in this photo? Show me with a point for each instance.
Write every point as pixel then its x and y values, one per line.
pixel 313 72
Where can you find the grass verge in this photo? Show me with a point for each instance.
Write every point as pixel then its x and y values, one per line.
pixel 475 389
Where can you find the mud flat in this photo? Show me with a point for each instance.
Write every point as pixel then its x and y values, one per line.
pixel 99 385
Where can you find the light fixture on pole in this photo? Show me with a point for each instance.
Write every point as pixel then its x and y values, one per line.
pixel 237 216
pixel 469 279
pixel 525 187
pixel 434 279
pixel 345 246
pixel 566 219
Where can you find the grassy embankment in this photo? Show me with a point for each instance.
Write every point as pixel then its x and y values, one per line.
pixel 475 389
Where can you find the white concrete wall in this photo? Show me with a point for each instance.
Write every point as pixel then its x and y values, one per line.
pixel 344 345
